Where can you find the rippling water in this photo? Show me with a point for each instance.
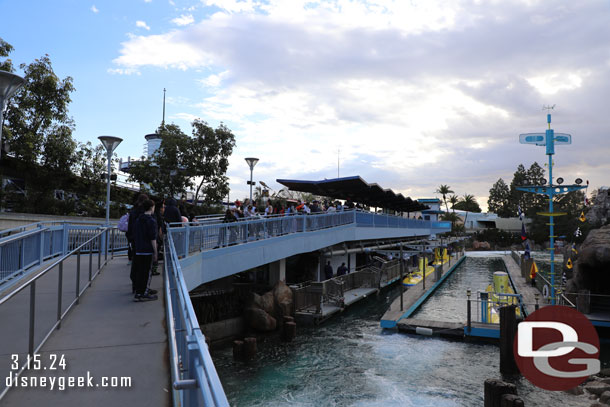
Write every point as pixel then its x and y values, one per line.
pixel 351 361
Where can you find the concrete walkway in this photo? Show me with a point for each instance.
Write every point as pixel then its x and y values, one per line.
pixel 106 336
pixel 528 293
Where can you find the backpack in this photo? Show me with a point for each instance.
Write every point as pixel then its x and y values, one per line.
pixel 123 224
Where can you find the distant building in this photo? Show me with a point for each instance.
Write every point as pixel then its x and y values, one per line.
pixel 476 221
pixel 433 212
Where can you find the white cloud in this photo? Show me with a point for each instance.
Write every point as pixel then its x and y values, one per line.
pixel 416 94
pixel 94 9
pixel 185 19
pixel 121 71
pixel 142 24
pixel 214 80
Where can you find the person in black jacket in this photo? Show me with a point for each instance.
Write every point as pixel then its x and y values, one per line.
pixel 145 236
pixel 135 212
pixel 172 213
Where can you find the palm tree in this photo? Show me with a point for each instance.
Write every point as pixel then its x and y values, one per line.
pixel 468 201
pixel 453 199
pixel 444 190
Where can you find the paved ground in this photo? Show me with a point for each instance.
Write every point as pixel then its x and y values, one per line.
pixel 527 292
pixel 414 293
pixel 107 335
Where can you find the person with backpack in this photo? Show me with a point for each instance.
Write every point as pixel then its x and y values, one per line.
pixel 135 212
pixel 145 236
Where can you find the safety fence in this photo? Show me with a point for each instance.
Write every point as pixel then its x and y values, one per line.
pixel 192 237
pixel 312 296
pixel 29 246
pixel 194 378
pixel 45 297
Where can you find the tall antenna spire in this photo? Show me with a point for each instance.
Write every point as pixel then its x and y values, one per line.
pixel 163 121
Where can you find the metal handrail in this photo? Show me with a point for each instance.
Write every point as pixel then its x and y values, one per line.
pixel 31 282
pixel 194 377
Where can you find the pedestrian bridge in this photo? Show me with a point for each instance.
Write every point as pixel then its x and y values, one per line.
pixel 212 251
pixel 64 294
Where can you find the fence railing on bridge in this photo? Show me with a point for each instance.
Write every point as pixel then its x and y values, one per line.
pixel 194 378
pixel 29 246
pixel 42 319
pixel 192 237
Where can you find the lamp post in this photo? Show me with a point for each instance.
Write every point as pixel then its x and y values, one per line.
pixel 110 144
pixel 9 84
pixel 251 163
pixel 549 139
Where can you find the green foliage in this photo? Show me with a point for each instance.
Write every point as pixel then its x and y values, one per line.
pixel 166 172
pixel 5 50
pixel 38 111
pixel 209 154
pixel 182 160
pixel 444 190
pixel 498 238
pixel 498 201
pixel 468 203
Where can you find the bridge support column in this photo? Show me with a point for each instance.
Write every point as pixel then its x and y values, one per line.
pixel 277 271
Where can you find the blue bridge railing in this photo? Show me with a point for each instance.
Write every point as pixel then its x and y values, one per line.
pixel 189 238
pixel 194 378
pixel 29 246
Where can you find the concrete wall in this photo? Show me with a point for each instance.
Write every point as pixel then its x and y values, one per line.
pixel 223 331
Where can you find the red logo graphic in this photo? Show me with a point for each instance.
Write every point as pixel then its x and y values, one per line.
pixel 557 348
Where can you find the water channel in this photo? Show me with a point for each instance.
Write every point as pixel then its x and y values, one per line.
pixel 351 361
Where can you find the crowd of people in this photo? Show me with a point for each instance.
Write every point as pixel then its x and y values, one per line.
pixel 145 229
pixel 248 209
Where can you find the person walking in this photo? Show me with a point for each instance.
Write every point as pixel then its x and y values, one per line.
pixel 146 251
pixel 328 271
pixel 135 212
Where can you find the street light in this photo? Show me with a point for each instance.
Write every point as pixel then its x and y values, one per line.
pixel 251 163
pixel 9 84
pixel 110 144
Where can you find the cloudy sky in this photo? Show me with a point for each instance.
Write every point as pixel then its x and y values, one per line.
pixel 407 94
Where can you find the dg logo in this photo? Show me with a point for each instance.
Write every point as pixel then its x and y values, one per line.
pixel 557 348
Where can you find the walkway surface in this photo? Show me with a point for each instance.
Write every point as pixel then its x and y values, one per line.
pixel 528 293
pixel 106 336
pixel 412 295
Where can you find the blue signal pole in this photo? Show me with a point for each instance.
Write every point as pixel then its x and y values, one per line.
pixel 549 139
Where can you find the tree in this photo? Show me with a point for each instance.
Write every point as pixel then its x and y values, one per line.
pixel 453 199
pixel 444 190
pixel 39 110
pixel 5 50
pixel 517 198
pixel 469 204
pixel 166 172
pixel 208 160
pixel 498 201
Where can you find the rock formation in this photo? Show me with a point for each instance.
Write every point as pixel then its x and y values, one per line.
pixel 592 266
pixel 265 310
pixel 599 212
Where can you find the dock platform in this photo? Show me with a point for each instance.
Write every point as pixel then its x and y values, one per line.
pixel 414 296
pixel 528 293
pixel 311 317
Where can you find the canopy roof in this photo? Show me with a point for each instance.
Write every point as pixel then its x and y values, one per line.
pixel 355 189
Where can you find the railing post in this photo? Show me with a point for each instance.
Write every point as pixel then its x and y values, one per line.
pixel 99 252
pixel 60 281
pixel 106 246
pixel 66 233
pixel 304 216
pixel 469 312
pixel 113 243
pixel 21 264
pixel 187 236
pixel 90 261
pixel 41 254
pixel 78 276
pixel 32 317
